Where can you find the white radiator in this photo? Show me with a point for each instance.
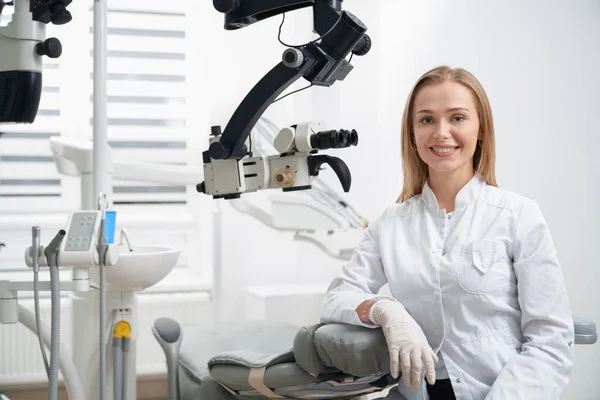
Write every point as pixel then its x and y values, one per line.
pixel 21 362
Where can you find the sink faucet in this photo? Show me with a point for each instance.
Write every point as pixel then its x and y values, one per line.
pixel 125 237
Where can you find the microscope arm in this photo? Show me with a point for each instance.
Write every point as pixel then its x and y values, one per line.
pixel 320 62
pixel 239 14
pixel 227 170
pixel 233 139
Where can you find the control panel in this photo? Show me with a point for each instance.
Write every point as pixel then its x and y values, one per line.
pixel 79 246
pixel 80 231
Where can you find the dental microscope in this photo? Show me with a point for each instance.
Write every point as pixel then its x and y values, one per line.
pixel 229 166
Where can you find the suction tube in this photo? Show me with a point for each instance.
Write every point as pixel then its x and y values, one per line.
pixel 51 253
pixel 55 335
pixel 65 362
pixel 35 254
pixel 102 246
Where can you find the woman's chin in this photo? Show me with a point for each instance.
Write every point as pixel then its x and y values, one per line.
pixel 447 166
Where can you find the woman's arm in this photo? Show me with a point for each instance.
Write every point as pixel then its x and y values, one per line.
pixel 350 295
pixel 352 298
pixel 543 368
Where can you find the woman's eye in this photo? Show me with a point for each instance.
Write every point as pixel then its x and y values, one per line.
pixel 427 120
pixel 459 118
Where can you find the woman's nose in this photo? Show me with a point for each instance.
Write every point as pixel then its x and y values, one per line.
pixel 442 131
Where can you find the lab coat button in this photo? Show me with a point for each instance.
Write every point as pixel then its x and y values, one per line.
pixel 458 380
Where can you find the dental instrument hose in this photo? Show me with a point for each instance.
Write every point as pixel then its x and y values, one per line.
pixel 125 356
pixel 102 247
pixel 117 367
pixel 103 351
pixel 35 253
pixel 51 253
pixel 121 337
pixel 65 361
pixel 126 344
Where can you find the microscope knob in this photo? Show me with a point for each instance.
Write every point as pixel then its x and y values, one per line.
pixel 292 58
pixel 226 6
pixel 217 151
pixel 215 130
pixel 50 47
pixel 363 46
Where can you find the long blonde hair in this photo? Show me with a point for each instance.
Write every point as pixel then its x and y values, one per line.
pixel 415 171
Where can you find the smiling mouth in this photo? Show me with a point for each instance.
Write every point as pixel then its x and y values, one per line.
pixel 443 151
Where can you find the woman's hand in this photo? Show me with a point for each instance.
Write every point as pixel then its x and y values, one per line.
pixel 406 342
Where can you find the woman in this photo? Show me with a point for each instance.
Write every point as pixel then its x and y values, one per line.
pixel 478 302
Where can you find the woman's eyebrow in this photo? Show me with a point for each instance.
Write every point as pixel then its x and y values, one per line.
pixel 448 110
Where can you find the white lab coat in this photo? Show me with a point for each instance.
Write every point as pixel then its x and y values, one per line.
pixel 483 282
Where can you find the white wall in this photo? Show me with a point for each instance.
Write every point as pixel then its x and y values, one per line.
pixel 539 63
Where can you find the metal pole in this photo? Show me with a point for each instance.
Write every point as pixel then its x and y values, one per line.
pixel 101 152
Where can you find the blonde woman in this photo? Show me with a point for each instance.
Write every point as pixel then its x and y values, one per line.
pixel 478 304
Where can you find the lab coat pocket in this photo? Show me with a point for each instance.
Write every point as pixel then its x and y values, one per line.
pixel 481 270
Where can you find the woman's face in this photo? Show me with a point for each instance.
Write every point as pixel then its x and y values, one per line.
pixel 446 127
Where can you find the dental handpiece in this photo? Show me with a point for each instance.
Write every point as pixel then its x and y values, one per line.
pixel 35 249
pixel 102 200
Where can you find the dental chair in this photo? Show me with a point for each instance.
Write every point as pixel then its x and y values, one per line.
pixel 270 360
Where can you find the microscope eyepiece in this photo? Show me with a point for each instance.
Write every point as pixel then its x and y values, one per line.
pixel 334 139
pixel 60 14
pixel 51 11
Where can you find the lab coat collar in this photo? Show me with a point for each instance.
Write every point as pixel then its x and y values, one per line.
pixel 466 195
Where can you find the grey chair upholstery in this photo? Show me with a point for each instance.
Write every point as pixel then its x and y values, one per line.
pixel 332 361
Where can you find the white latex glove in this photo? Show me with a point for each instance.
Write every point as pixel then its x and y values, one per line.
pixel 406 342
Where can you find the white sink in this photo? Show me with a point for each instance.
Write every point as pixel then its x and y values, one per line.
pixel 145 266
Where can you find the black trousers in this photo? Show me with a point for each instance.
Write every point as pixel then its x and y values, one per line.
pixel 441 390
